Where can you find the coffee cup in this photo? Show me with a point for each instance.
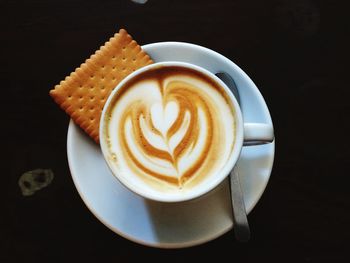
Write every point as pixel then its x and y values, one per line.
pixel 173 131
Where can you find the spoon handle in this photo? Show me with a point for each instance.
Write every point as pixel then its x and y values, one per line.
pixel 240 221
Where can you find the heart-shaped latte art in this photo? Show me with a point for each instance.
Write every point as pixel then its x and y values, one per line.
pixel 171 130
pixel 164 116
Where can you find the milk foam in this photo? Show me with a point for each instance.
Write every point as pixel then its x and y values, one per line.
pixel 169 130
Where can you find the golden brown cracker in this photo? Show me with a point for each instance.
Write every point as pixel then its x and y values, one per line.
pixel 84 92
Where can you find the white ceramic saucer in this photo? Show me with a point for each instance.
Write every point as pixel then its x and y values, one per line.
pixel 182 224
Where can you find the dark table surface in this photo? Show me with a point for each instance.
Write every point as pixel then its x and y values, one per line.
pixel 295 51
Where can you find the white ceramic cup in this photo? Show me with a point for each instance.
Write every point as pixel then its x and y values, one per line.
pixel 246 133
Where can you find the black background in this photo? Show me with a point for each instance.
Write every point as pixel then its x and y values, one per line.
pixel 295 51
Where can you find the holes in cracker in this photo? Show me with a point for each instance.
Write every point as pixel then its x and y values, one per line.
pixel 81 108
pixel 102 77
pixel 92 118
pixel 92 97
pixel 91 87
pixel 124 48
pixel 91 108
pixel 124 58
pixel 103 87
pixel 134 59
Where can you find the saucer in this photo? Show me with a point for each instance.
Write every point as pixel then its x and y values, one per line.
pixel 173 225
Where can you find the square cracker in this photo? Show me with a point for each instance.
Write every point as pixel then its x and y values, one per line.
pixel 84 92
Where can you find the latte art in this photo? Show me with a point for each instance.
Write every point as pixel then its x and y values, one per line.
pixel 170 126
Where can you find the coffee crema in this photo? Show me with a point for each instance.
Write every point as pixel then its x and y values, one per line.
pixel 170 127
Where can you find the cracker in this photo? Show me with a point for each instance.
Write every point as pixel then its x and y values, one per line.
pixel 84 92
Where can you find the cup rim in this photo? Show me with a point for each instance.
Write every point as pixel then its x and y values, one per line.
pixel 221 175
